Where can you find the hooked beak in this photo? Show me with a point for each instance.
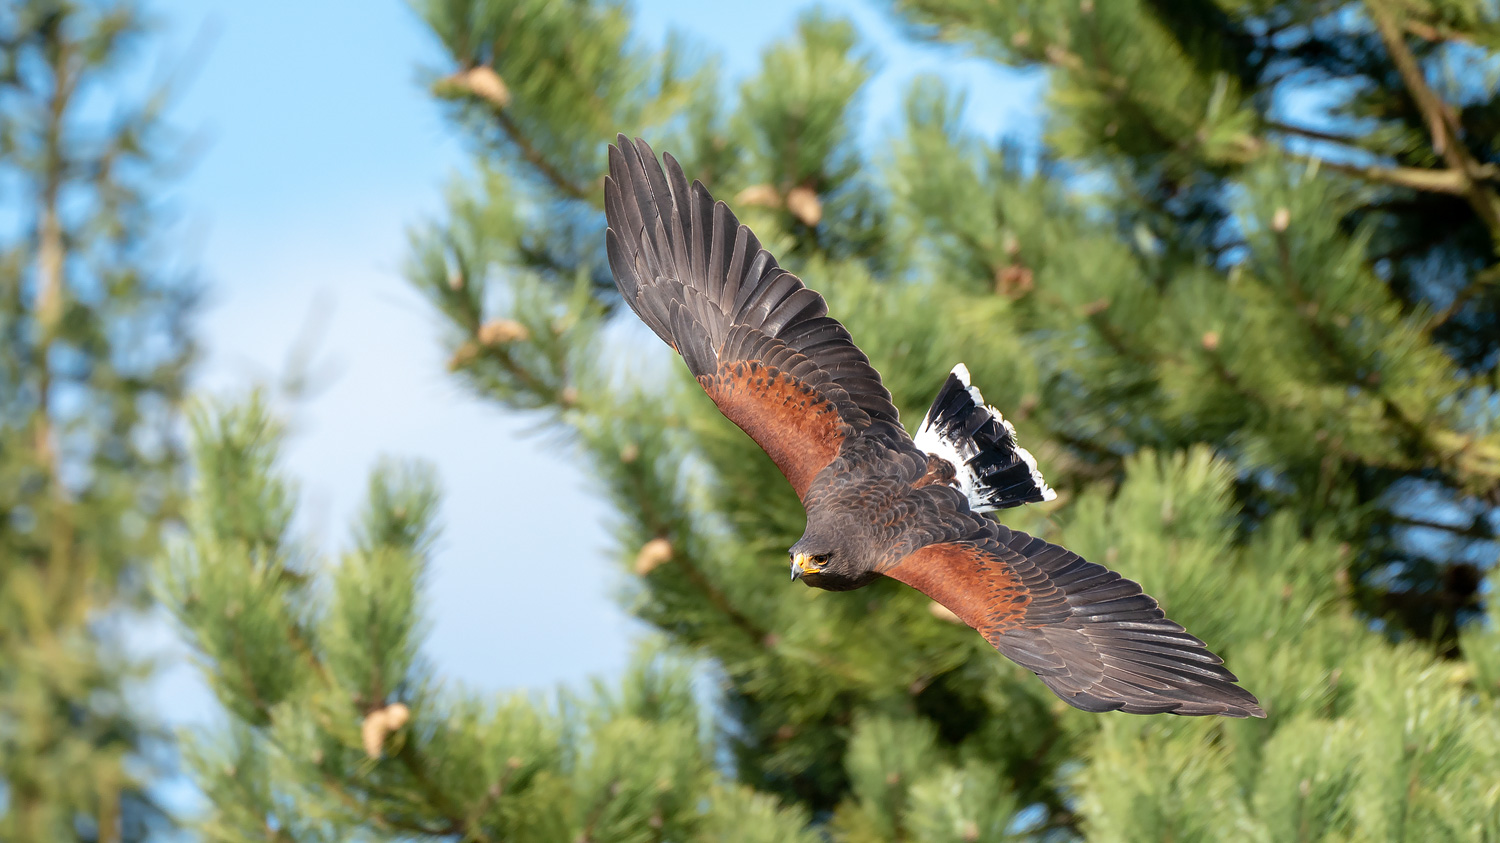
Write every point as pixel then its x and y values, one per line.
pixel 803 564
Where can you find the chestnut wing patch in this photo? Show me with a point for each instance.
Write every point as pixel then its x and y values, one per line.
pixel 1094 638
pixel 793 422
pixel 977 585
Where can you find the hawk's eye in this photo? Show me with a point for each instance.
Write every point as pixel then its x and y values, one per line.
pixel 822 558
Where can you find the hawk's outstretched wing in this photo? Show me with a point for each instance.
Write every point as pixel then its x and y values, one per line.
pixel 760 343
pixel 1091 635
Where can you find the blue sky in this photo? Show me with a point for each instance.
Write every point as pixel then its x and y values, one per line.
pixel 318 150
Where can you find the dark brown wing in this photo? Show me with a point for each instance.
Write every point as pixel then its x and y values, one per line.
pixel 760 343
pixel 1091 635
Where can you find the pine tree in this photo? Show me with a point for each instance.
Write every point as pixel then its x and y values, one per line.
pixel 1360 231
pixel 1252 345
pixel 339 731
pixel 93 350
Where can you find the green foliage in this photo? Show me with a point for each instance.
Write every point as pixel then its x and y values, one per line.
pixel 336 730
pixel 93 354
pixel 1253 344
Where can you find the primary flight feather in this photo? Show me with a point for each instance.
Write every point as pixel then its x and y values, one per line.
pixel 879 503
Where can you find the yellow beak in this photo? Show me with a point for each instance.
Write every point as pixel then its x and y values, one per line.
pixel 803 564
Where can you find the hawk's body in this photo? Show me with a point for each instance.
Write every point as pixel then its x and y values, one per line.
pixel 763 348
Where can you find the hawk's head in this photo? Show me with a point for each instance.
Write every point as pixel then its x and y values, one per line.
pixel 830 560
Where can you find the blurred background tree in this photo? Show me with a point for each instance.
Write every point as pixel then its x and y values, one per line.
pixel 93 354
pixel 338 730
pixel 1242 306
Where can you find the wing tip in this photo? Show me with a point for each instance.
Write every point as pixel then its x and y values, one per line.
pixel 1238 706
pixel 1232 710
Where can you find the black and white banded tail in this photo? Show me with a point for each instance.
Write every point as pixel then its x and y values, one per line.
pixel 994 471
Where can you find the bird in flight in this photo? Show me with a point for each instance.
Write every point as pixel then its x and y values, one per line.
pixel 880 503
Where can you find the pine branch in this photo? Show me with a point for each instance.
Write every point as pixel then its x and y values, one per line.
pixel 753 631
pixel 1094 314
pixel 1437 34
pixel 1444 181
pixel 1114 338
pixel 1462 297
pixel 416 765
pixel 382 820
pixel 456 822
pixel 274 834
pixel 1416 429
pixel 655 523
pixel 1113 84
pixel 538 160
pixel 595 812
pixel 529 382
pixel 1103 454
pixel 1033 768
pixel 1442 122
pixel 1310 133
pixel 1475 529
pixel 50 305
pixel 1434 110
pixel 491 796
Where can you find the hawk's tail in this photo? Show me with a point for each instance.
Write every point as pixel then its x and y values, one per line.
pixel 993 469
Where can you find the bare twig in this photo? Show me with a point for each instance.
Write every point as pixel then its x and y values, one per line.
pixel 1436 34
pixel 1442 122
pixel 1313 134
pixel 1450 182
pixel 1476 528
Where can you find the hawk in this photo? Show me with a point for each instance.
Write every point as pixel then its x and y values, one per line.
pixel 880 503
